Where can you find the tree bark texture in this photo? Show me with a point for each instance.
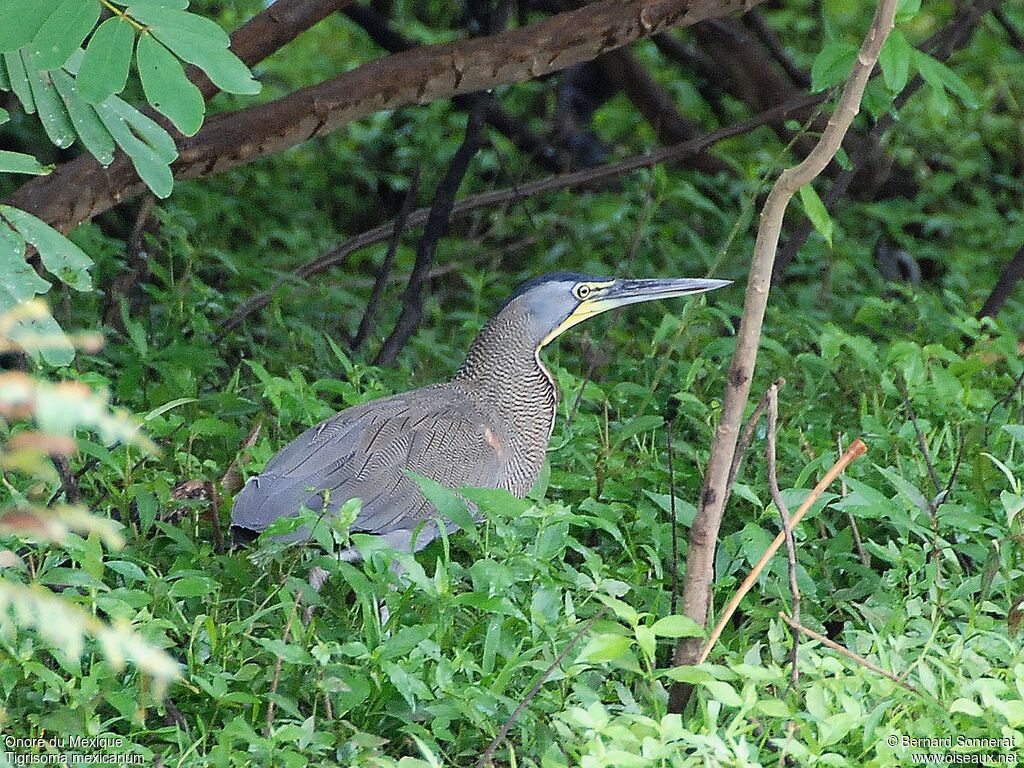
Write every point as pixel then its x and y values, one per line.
pixel 81 188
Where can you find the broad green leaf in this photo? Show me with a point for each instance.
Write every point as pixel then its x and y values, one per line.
pixel 1013 503
pixel 606 647
pixel 723 692
pixel 832 65
pixel 22 20
pixel 19 81
pixel 199 41
pixel 52 113
pixel 447 503
pixel 90 129
pixel 677 626
pixel 59 255
pixel 895 60
pixel 941 78
pixel 907 10
pixel 167 88
pixel 18 281
pixel 40 336
pixel 152 168
pixel 146 128
pixel 63 32
pixel 104 68
pixel 19 162
pixel 192 586
pixel 816 212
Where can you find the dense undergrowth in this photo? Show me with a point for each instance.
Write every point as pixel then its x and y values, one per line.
pixel 476 619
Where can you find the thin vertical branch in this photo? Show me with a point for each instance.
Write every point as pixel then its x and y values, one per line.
pixel 380 282
pixel 704 531
pixel 670 415
pixel 787 523
pixel 437 224
pixel 865 558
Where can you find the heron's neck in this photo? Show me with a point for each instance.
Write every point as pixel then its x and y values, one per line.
pixel 503 366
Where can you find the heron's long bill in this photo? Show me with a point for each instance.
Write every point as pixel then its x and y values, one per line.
pixel 623 292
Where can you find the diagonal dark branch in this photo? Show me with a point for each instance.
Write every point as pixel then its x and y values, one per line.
pixel 756 21
pixel 587 176
pixel 385 268
pixel 1009 277
pixel 437 224
pixel 625 73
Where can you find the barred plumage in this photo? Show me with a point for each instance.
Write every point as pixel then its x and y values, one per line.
pixel 488 427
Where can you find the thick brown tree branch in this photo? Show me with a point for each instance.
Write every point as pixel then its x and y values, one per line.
pixel 82 189
pixel 704 530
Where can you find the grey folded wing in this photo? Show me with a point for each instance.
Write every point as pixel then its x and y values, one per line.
pixel 365 452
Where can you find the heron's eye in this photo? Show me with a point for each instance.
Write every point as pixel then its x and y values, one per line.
pixel 581 291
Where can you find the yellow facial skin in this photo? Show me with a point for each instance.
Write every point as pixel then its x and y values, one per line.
pixel 587 308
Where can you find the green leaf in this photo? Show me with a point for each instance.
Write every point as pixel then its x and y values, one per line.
pixel 52 113
pixel 18 162
pixel 941 78
pixel 167 88
pixel 22 20
pixel 606 647
pixel 907 10
pixel 146 128
pixel 192 586
pixel 19 81
pixel 150 166
pixel 5 81
pixel 199 41
pixel 895 60
pixel 60 256
pixel 90 129
pixel 832 65
pixel 104 68
pixel 816 212
pixel 63 32
pixel 18 281
pixel 677 626
pixel 723 692
pixel 447 503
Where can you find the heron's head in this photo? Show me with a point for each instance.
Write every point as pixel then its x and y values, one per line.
pixel 558 301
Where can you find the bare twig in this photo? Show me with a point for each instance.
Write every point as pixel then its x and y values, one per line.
pixel 857 448
pixel 338 256
pixel 747 435
pixel 704 530
pixel 901 385
pixel 847 653
pixel 487 758
pixel 756 21
pixel 670 415
pixel 68 481
pixel 865 558
pixel 436 225
pixel 384 272
pixel 276 679
pixel 787 522
pixel 1009 277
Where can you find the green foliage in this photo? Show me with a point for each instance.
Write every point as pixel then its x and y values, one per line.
pixel 478 618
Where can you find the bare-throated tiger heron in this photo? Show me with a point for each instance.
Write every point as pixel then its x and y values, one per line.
pixel 487 427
